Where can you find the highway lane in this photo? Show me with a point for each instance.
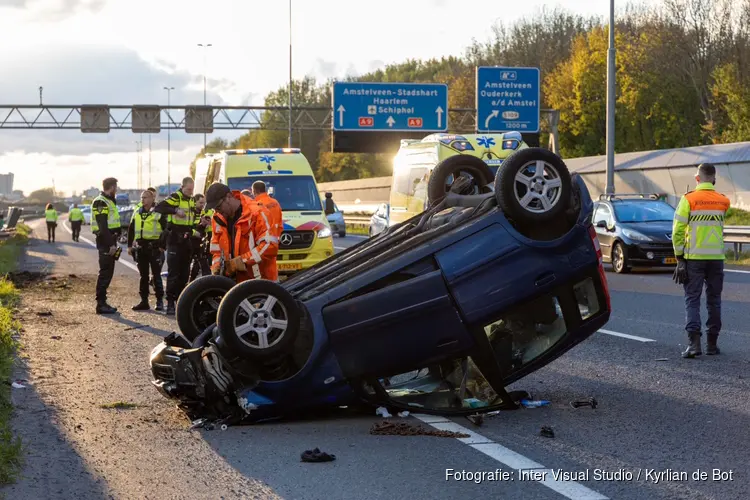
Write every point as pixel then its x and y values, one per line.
pixel 656 411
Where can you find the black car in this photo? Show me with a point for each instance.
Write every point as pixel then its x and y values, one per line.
pixel 634 231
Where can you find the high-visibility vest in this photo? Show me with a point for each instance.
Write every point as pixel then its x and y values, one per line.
pixel 75 215
pixel 110 210
pixel 698 226
pixel 148 227
pixel 51 215
pixel 210 215
pixel 187 205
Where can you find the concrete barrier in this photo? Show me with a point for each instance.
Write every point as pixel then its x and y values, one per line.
pixel 359 195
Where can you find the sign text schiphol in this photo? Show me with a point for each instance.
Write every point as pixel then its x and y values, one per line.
pixel 414 107
pixel 508 99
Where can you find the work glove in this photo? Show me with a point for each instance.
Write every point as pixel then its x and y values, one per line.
pixel 680 275
pixel 235 265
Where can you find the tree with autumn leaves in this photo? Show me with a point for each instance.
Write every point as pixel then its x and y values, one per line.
pixel 683 79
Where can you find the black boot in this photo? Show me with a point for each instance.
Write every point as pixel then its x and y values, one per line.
pixel 170 308
pixel 142 305
pixel 694 349
pixel 711 347
pixel 159 305
pixel 104 308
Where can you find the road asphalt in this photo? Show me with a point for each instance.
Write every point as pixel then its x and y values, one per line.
pixel 661 421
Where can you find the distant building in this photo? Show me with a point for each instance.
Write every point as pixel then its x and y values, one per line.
pixel 91 192
pixel 6 184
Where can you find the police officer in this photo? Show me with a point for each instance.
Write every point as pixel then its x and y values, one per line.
pixel 200 261
pixel 105 224
pixel 698 240
pixel 180 206
pixel 76 219
pixel 146 242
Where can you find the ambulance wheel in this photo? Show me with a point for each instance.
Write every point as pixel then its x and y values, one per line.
pixel 259 320
pixel 471 173
pixel 199 302
pixel 533 187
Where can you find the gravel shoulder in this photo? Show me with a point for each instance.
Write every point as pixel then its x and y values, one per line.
pixel 77 363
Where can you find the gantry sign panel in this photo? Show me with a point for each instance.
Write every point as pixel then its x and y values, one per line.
pixel 146 119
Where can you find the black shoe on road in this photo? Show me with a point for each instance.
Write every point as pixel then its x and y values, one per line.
pixel 142 306
pixel 105 309
pixel 170 309
pixel 159 305
pixel 711 347
pixel 694 349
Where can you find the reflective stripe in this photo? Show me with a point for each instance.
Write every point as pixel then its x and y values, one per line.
pixel 707 251
pixel 263 250
pixel 707 212
pixel 269 239
pixel 255 254
pixel 256 271
pixel 215 247
pixel 681 218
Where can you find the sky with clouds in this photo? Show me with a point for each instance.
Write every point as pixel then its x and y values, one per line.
pixel 125 51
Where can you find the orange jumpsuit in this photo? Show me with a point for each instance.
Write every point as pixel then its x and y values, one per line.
pixel 249 238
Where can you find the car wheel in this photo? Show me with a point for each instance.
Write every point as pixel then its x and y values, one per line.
pixel 533 186
pixel 259 320
pixel 199 302
pixel 620 259
pixel 438 186
pixel 342 234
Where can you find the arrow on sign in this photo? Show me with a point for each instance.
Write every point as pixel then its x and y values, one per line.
pixel 439 112
pixel 492 115
pixel 390 121
pixel 341 110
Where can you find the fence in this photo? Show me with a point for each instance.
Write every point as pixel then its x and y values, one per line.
pixel 737 235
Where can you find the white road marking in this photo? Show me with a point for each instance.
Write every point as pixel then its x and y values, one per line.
pixel 626 336
pixel 736 271
pixel 511 459
pixel 340 248
pixel 124 263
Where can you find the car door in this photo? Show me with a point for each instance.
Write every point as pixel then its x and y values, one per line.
pixel 603 213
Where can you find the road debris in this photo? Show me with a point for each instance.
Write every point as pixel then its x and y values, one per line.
pixel 592 402
pixel 16 385
pixel 546 431
pixel 56 337
pixel 533 404
pixel 403 414
pixel 404 429
pixel 317 456
pixel 44 313
pixel 477 419
pixel 383 412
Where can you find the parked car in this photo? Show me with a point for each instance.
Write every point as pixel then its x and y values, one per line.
pixel 634 231
pixel 437 314
pixel 379 220
pixel 125 216
pixel 86 211
pixel 336 221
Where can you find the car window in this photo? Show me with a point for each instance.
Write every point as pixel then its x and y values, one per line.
pixel 639 211
pixel 602 213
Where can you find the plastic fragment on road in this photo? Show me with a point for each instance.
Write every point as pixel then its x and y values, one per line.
pixel 197 423
pixel 592 402
pixel 382 412
pixel 16 385
pixel 477 419
pixel 534 404
pixel 546 431
pixel 403 414
pixel 317 456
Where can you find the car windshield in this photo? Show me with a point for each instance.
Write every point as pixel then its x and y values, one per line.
pixel 639 211
pixel 293 193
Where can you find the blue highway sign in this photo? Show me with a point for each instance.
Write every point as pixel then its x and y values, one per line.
pixel 508 99
pixel 402 107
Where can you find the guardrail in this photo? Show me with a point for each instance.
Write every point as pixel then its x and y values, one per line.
pixel 737 235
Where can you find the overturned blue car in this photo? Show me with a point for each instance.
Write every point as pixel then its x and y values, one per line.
pixel 497 278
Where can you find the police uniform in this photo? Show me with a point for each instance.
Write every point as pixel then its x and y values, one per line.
pixel 105 224
pixel 201 262
pixel 179 245
pixel 147 228
pixel 76 219
pixel 698 241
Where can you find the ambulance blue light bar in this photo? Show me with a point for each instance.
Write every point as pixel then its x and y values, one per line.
pixel 263 151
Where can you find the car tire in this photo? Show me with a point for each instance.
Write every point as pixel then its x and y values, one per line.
pixel 249 344
pixel 620 259
pixel 436 187
pixel 193 313
pixel 342 234
pixel 517 203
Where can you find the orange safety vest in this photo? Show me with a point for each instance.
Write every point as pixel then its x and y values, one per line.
pixel 274 209
pixel 252 241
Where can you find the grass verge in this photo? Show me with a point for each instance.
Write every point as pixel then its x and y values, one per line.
pixel 10 447
pixel 743 260
pixel 737 217
pixel 357 229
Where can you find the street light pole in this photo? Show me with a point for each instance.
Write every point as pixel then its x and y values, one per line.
pixel 610 188
pixel 204 46
pixel 289 142
pixel 149 160
pixel 169 139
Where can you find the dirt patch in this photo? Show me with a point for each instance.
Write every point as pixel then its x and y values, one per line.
pixel 93 423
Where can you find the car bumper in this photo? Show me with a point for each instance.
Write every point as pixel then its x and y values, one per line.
pixel 292 261
pixel 651 255
pixel 337 227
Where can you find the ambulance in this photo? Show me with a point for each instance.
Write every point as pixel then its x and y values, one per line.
pixel 416 159
pixel 306 238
